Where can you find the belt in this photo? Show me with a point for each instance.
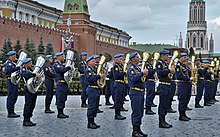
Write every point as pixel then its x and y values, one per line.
pixel 93 86
pixel 165 83
pixel 8 77
pixel 182 81
pixel 121 81
pixel 151 80
pixel 81 74
pixel 139 89
pixel 216 78
pixel 201 78
pixel 208 80
pixel 63 81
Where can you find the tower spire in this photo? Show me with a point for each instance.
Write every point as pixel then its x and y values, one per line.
pixel 76 6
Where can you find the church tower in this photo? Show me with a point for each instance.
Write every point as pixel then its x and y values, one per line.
pixel 76 14
pixel 197 26
pixel 181 41
pixel 211 44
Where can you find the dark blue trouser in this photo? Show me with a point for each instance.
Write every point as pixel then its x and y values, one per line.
pixel 84 86
pixel 93 101
pixel 171 94
pixel 208 91
pixel 61 95
pixel 215 88
pixel 12 94
pixel 107 90
pixel 199 90
pixel 30 102
pixel 189 93
pixel 119 96
pixel 184 89
pixel 49 84
pixel 150 93
pixel 137 106
pixel 163 99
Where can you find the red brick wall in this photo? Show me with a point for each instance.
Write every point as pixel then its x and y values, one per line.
pixel 13 29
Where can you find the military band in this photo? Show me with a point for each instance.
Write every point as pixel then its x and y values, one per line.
pixel 174 78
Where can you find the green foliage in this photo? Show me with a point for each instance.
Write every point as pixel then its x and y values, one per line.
pixel 49 49
pixel 27 45
pixel 41 49
pixel 30 48
pixel 7 46
pixel 17 47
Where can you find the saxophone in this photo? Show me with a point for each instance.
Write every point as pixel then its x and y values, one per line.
pixel 33 84
pixel 68 76
pixel 101 81
pixel 126 67
pixel 175 55
pixel 143 66
pixel 15 76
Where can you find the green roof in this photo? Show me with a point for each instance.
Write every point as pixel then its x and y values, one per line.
pixel 76 6
pixel 151 48
pixel 197 1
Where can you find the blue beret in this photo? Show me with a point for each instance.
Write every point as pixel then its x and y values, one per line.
pixel 197 59
pixel 133 55
pixel 90 58
pixel 59 54
pixel 209 59
pixel 164 52
pixel 83 53
pixel 26 60
pixel 95 56
pixel 10 53
pixel 183 54
pixel 170 56
pixel 48 56
pixel 118 55
pixel 54 56
pixel 205 61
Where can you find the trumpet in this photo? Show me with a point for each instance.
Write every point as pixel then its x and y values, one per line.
pixel 143 66
pixel 175 55
pixel 126 67
pixel 194 71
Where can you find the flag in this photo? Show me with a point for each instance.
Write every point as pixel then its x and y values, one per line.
pixel 62 44
pixel 72 44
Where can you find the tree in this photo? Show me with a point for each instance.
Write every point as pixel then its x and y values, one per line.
pixel 33 51
pixel 49 49
pixel 41 49
pixel 27 45
pixel 200 56
pixel 191 52
pixel 7 46
pixel 17 46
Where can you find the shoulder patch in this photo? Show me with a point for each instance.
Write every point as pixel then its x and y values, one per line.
pixel 9 64
pixel 23 69
pixel 46 69
pixel 58 66
pixel 159 66
pixel 132 67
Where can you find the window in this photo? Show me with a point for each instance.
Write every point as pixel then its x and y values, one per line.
pixel 76 6
pixel 20 16
pixel 70 7
pixel 26 18
pixel 85 7
pixel 33 19
pixel 202 46
pixel 47 24
pixel 1 13
pixel 194 41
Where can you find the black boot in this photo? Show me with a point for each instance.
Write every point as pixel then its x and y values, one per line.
pixel 182 117
pixel 47 110
pixel 136 132
pixel 91 123
pixel 123 109
pixel 149 111
pixel 60 114
pixel 99 111
pixel 170 110
pixel 27 122
pixel 118 115
pixel 197 105
pixel 12 114
pixel 187 116
pixel 93 120
pixel 162 123
pixel 84 105
pixel 144 135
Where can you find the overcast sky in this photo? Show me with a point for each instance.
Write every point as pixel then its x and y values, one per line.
pixel 149 21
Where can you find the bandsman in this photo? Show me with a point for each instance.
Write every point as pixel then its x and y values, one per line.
pixel 82 67
pixel 137 89
pixel 12 89
pixel 164 87
pixel 49 84
pixel 93 92
pixel 30 98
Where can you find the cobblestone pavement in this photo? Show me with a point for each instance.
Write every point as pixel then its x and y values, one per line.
pixel 205 122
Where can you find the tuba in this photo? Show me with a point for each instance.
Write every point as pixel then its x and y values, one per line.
pixel 101 82
pixel 143 66
pixel 126 67
pixel 68 76
pixel 33 84
pixel 156 57
pixel 175 55
pixel 15 76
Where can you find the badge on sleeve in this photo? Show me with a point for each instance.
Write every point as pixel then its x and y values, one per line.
pixel 23 69
pixel 9 64
pixel 177 69
pixel 58 66
pixel 116 69
pixel 159 66
pixel 132 72
pixel 46 69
